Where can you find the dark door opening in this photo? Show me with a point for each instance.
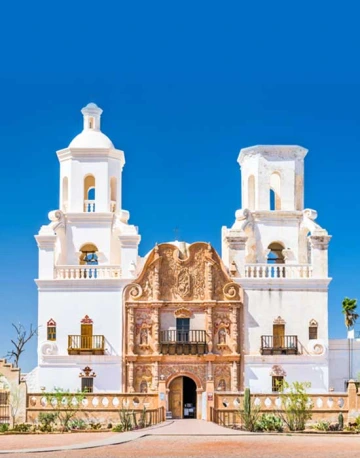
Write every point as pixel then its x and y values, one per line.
pixel 189 397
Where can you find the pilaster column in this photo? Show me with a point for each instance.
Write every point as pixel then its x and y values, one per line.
pixel 234 330
pixel 156 326
pixel 130 367
pixel 155 375
pixel 131 331
pixel 234 377
pixel 319 254
pixel 209 329
pixel 129 253
pixel 236 242
pixel 46 244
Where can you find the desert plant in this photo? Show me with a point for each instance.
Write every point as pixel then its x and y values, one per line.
pixel 269 422
pixel 296 405
pixel 250 413
pixel 322 426
pixel 95 425
pixel 4 427
pixel 22 427
pixel 127 419
pixel 77 423
pixel 65 405
pixel 46 420
pixel 341 421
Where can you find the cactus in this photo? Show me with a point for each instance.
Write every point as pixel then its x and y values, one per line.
pixel 247 402
pixel 341 421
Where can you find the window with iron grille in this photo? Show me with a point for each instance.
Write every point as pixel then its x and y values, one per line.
pixel 277 382
pixel 87 384
pixel 313 332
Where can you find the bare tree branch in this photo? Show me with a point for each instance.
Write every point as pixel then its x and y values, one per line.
pixel 22 338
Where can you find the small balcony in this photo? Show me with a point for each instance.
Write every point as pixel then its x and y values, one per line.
pixel 86 272
pixel 174 342
pixel 279 345
pixel 86 345
pixel 275 271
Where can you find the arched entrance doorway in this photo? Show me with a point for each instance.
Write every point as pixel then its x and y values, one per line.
pixel 182 398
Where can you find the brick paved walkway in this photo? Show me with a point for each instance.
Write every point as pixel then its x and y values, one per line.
pixel 181 438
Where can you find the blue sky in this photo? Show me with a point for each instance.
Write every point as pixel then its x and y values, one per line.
pixel 184 85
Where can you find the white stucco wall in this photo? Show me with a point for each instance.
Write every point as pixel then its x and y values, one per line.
pixel 339 362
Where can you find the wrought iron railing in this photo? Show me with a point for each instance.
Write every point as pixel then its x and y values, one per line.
pixel 180 336
pixel 78 344
pixel 279 345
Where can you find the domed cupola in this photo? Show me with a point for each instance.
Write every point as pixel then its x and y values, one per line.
pixel 91 136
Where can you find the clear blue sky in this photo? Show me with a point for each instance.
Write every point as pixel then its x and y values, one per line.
pixel 184 85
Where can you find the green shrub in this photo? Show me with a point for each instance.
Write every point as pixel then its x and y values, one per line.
pixel 341 421
pixel 95 426
pixel 118 428
pixel 77 423
pixel 22 427
pixel 47 421
pixel 322 426
pixel 4 427
pixel 269 422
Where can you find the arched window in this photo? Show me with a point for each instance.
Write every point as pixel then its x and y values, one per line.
pixel 65 192
pixel 275 191
pixel 313 330
pixel 89 193
pixel 88 255
pixel 113 192
pixel 275 255
pixel 251 192
pixel 51 330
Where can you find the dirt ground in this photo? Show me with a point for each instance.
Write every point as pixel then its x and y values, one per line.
pixel 256 446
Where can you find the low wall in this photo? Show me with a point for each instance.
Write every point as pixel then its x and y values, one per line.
pixel 102 408
pixel 227 406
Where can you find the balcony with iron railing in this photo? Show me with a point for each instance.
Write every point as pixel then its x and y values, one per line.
pixel 183 342
pixel 86 345
pixel 279 345
pixel 278 271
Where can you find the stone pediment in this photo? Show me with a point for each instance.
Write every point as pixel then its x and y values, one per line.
pixel 195 273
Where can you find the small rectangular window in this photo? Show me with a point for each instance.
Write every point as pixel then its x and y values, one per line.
pixel 51 333
pixel 87 384
pixel 313 332
pixel 277 382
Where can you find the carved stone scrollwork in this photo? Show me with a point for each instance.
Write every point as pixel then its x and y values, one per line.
pixel 49 348
pixel 130 366
pixel 231 291
pixel 131 331
pixel 135 291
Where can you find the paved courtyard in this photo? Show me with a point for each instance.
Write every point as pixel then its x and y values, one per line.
pixel 182 438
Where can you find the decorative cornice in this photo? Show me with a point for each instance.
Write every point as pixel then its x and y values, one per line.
pixel 46 241
pixel 103 284
pixel 273 151
pixel 320 242
pixel 285 284
pixel 91 154
pixel 86 218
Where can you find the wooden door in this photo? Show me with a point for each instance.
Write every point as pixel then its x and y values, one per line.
pixel 86 336
pixel 278 335
pixel 176 397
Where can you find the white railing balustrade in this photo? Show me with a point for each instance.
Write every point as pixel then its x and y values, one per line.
pixel 86 272
pixel 89 206
pixel 278 271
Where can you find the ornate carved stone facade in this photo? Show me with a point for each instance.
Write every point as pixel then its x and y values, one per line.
pixel 183 282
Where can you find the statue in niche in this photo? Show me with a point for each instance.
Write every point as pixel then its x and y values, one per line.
pixel 144 336
pixel 222 385
pixel 143 387
pixel 222 336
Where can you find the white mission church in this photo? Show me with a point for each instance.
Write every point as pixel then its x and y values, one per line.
pixel 111 321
